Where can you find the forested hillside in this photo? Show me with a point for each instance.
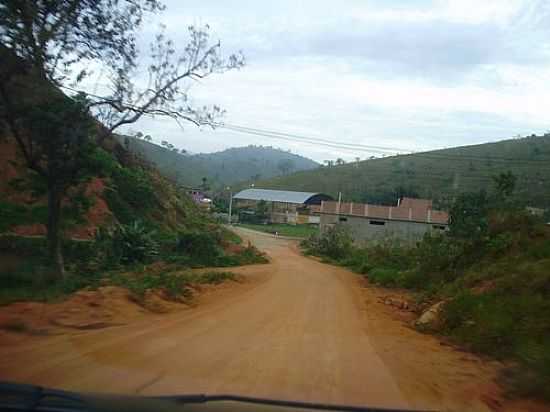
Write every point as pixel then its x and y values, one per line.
pixel 220 168
pixel 440 174
pixel 79 210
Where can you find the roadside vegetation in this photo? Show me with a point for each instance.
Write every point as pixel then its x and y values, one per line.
pixel 283 230
pixel 59 129
pixel 492 273
pixel 149 224
pixel 130 256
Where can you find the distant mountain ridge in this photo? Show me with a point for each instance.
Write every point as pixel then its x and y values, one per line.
pixel 249 163
pixel 438 175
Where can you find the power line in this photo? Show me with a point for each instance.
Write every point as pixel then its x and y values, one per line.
pixel 313 139
pixel 335 145
pixel 356 147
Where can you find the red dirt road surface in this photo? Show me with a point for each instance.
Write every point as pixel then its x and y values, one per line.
pixel 295 329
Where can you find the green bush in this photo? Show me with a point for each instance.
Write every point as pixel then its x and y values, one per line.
pixel 469 215
pixel 247 256
pixel 335 243
pixel 358 260
pixel 135 243
pixel 103 162
pixel 124 213
pixel 24 246
pixel 384 276
pixel 12 214
pixel 228 236
pixel 202 247
pixel 34 280
pixel 214 277
pixel 132 194
pixel 73 213
pixel 135 187
pixel 174 284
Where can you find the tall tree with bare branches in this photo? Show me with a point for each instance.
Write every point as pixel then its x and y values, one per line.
pixel 55 42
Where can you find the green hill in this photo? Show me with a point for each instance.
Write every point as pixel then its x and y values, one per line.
pixel 220 168
pixel 440 174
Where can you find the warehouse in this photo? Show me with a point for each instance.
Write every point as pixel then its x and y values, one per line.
pixel 407 222
pixel 283 206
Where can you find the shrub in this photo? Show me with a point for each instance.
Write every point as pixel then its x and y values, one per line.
pixel 229 236
pixel 174 284
pixel 469 215
pixel 248 256
pixel 335 243
pixel 134 243
pixel 33 280
pixel 215 277
pixel 384 276
pixel 133 193
pixel 12 214
pixel 202 247
pixel 358 260
pixel 134 185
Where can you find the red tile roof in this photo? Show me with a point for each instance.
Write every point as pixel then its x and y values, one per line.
pixel 415 203
pixel 416 210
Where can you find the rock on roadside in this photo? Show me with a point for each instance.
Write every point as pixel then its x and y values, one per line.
pixel 431 317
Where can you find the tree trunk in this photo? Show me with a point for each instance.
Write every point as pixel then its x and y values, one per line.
pixel 54 232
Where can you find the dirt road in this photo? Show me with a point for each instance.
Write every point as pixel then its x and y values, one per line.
pixel 299 329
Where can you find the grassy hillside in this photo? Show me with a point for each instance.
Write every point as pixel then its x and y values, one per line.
pixel 220 168
pixel 440 174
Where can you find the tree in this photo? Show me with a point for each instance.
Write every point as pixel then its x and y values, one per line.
pixel 469 215
pixel 204 184
pixel 61 130
pixel 401 191
pixel 55 42
pixel 285 166
pixel 340 161
pixel 505 184
pixel 221 204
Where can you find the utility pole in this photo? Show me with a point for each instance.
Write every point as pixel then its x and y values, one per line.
pixel 230 202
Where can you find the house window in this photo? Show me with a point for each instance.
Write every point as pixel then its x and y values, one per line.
pixel 343 219
pixel 439 227
pixel 377 222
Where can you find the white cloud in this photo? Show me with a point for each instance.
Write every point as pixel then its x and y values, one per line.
pixel 414 74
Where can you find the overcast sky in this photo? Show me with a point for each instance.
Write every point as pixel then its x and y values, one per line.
pixel 409 74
